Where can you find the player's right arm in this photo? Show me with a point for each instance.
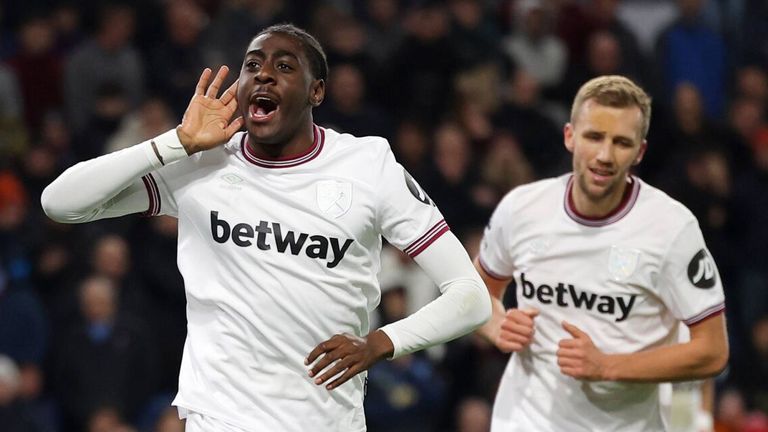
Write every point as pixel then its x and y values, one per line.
pixel 112 185
pixel 509 330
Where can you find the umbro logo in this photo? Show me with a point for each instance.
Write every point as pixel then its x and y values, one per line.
pixel 232 178
pixel 701 270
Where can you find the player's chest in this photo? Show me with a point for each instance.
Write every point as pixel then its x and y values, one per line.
pixel 256 208
pixel 619 263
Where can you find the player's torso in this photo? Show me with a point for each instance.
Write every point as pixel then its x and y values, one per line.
pixel 275 260
pixel 601 278
pixel 295 229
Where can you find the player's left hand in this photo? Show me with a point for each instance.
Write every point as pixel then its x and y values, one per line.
pixel 579 357
pixel 346 355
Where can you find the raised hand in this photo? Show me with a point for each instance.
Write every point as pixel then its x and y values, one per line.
pixel 579 357
pixel 206 123
pixel 346 355
pixel 515 331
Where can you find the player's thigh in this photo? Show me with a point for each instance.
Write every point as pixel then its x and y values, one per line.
pixel 197 422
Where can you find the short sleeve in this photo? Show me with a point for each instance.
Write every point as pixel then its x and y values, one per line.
pixel 406 216
pixel 494 255
pixel 690 284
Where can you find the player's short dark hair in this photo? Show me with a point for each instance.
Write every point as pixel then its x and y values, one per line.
pixel 311 46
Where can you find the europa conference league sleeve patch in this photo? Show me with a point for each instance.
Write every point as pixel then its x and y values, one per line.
pixel 701 270
pixel 416 190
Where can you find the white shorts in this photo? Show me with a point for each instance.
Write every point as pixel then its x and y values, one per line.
pixel 197 422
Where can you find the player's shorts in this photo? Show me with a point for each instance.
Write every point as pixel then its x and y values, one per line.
pixel 197 422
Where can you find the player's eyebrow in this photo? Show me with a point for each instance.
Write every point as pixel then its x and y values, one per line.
pixel 279 53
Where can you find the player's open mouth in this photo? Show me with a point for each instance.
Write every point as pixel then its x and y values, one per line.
pixel 263 108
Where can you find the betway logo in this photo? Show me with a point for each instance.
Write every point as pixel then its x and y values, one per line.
pixel 561 294
pixel 241 235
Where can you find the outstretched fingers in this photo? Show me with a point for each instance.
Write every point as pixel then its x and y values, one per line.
pixel 202 83
pixel 218 80
pixel 229 94
pixel 235 126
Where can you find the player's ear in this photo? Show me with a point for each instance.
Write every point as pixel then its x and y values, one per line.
pixel 568 136
pixel 641 153
pixel 317 92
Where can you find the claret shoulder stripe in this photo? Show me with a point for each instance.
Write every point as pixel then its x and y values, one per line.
pixel 423 242
pixel 154 195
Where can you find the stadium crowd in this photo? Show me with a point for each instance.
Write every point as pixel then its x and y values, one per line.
pixel 472 95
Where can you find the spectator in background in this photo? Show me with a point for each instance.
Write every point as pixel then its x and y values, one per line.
pixel 13 133
pixel 110 106
pixel 692 131
pixel 754 34
pixel 603 17
pixel 347 40
pixel 23 333
pixel 235 24
pixel 111 258
pixel 14 413
pixel 412 148
pixel 453 186
pixel 749 373
pixel 604 56
pixel 423 67
pixel 474 36
pixel 45 159
pixel 385 32
pixel 175 62
pixel 347 109
pixel 473 415
pixel 107 419
pixel 106 59
pixel 752 82
pixel 169 422
pixel 690 52
pixel 505 166
pixel 526 116
pixel 752 202
pixel 154 253
pixel 533 46
pixel 39 70
pixel 16 239
pixel 66 21
pixel 151 119
pixel 104 360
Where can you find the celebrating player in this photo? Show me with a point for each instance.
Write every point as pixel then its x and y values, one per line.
pixel 606 267
pixel 279 238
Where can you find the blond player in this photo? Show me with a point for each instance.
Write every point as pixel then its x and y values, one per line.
pixel 606 267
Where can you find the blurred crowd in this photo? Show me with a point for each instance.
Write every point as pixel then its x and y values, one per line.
pixel 472 95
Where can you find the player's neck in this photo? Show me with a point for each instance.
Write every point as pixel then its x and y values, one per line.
pixel 296 145
pixel 591 208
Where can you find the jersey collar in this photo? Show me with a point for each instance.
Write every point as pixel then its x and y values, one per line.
pixel 627 202
pixel 286 161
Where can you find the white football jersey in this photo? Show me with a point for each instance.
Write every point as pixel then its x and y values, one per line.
pixel 278 256
pixel 627 280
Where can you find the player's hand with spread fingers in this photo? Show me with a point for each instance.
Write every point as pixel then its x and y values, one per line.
pixel 580 358
pixel 346 355
pixel 516 330
pixel 207 122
